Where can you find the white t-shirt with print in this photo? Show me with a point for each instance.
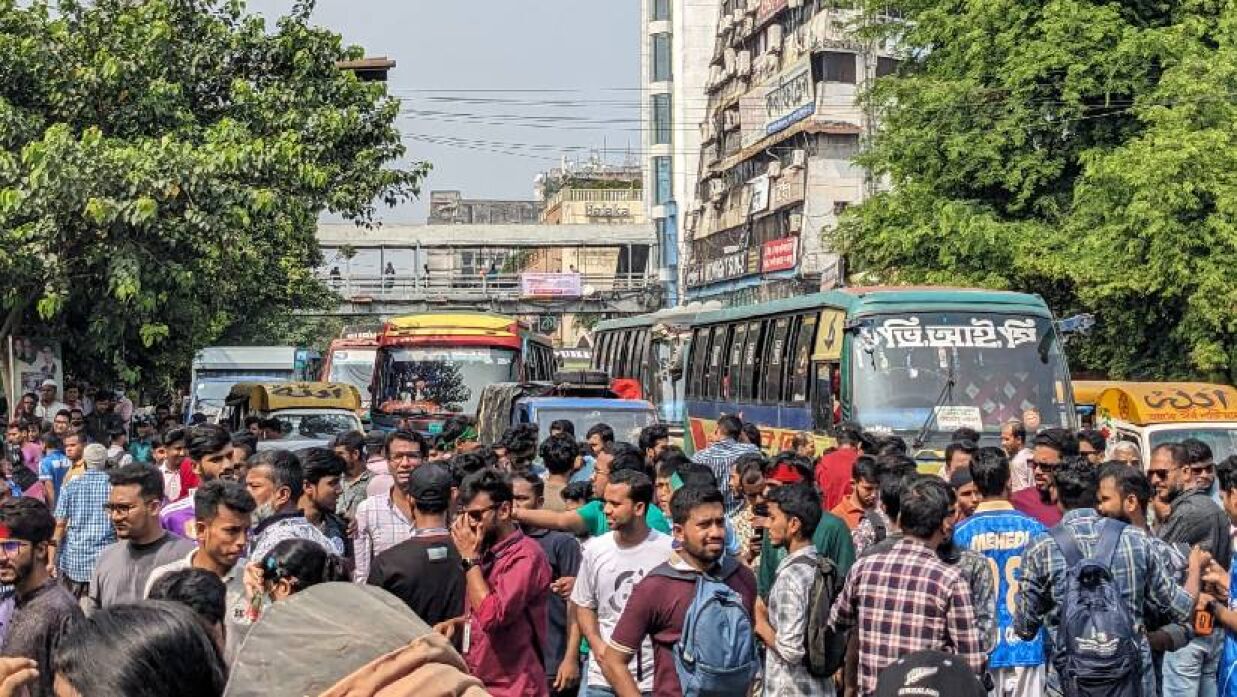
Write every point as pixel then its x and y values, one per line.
pixel 607 576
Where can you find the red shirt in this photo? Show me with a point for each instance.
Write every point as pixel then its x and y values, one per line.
pixel 834 476
pixel 508 628
pixel 656 609
pixel 1029 502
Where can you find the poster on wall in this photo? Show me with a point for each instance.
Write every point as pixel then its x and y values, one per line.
pixel 32 360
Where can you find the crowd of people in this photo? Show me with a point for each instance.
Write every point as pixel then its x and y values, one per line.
pixel 549 564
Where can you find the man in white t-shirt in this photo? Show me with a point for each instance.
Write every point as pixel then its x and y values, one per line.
pixel 613 564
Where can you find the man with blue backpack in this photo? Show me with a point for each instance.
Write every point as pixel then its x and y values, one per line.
pixel 697 609
pixel 1091 579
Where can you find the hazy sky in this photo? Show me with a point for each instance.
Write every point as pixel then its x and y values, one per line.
pixel 544 78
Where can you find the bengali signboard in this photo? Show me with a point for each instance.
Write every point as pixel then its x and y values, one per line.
pixel 779 255
pixel 789 98
pixel 758 201
pixel 551 285
pixel 788 188
pixel 723 268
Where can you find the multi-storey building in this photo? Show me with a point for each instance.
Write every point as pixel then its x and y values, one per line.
pixel 676 46
pixel 778 143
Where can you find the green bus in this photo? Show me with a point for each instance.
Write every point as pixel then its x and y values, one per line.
pixel 916 362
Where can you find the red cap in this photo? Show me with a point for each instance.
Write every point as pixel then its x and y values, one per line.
pixel 5 533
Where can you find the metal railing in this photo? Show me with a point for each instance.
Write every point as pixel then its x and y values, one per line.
pixel 476 286
pixel 600 195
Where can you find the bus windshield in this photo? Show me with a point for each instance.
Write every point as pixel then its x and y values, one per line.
pixel 354 366
pixel 957 369
pixel 442 379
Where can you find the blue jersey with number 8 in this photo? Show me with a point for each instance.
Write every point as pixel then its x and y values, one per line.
pixel 1002 535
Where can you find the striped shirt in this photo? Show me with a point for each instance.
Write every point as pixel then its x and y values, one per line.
pixel 720 458
pixel 905 600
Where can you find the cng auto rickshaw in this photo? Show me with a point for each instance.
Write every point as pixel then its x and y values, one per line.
pixel 309 413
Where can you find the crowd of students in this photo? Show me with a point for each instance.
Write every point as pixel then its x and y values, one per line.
pixel 567 566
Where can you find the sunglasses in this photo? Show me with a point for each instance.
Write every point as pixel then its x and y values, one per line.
pixel 478 514
pixel 1158 474
pixel 11 547
pixel 1048 467
pixel 1202 469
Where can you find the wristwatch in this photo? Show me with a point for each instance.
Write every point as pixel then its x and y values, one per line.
pixel 466 563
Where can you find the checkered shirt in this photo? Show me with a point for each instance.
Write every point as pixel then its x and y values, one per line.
pixel 905 600
pixel 89 526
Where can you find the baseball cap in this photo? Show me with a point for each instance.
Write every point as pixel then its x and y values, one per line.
pixel 49 383
pixel 430 485
pixel 929 674
pixel 95 456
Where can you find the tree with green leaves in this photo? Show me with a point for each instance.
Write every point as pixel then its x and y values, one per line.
pixel 163 165
pixel 1083 151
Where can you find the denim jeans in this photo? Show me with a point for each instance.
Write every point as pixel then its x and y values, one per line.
pixel 1191 670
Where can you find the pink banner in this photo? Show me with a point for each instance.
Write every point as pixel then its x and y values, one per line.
pixel 550 285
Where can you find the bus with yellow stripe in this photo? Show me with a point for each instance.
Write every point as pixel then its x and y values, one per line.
pixel 432 366
pixel 916 362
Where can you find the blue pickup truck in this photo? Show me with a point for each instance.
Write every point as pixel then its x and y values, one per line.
pixel 504 405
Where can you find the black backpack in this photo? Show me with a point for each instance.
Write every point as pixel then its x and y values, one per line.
pixel 1096 652
pixel 824 649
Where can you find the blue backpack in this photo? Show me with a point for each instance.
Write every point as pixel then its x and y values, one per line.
pixel 716 654
pixel 1096 652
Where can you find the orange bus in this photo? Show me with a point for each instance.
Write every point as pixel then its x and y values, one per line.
pixel 430 367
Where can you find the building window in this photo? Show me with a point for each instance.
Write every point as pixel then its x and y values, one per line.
pixel 661 119
pixel 839 207
pixel 661 10
pixel 661 180
pixel 838 67
pixel 886 66
pixel 661 57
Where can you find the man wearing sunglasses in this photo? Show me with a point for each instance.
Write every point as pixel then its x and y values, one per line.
pixel 507 579
pixel 1194 518
pixel 45 612
pixel 1049 451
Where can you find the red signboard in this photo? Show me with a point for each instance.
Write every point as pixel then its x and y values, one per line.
pixel 779 255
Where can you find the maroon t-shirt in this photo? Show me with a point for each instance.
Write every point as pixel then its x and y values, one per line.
pixel 657 608
pixel 1029 502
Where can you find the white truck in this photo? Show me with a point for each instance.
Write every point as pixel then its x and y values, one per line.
pixel 216 369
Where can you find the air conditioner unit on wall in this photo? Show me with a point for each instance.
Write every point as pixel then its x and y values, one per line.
pixel 775 169
pixel 775 38
pixel 795 223
pixel 717 190
pixel 745 63
pixel 794 4
pixel 798 158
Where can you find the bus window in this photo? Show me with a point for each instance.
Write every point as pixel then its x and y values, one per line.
pixel 802 360
pixel 643 367
pixel 599 353
pixel 774 360
pixel 788 359
pixel 717 362
pixel 699 356
pixel 736 363
pixel 822 397
pixel 752 355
